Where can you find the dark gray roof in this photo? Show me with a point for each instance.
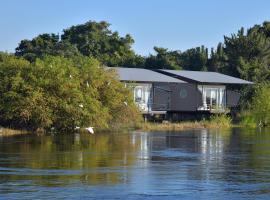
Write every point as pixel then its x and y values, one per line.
pixel 204 77
pixel 142 75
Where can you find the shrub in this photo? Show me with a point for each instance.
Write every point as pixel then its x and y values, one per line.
pixel 61 93
pixel 260 106
pixel 247 119
pixel 220 120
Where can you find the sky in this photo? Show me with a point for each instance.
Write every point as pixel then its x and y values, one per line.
pixel 172 24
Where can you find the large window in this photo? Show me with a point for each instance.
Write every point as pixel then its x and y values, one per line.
pixel 138 94
pixel 142 96
pixel 213 97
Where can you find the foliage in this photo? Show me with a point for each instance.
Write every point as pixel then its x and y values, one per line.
pixel 195 59
pixel 220 120
pixel 260 106
pixel 192 59
pixel 92 39
pixel 248 55
pixel 247 119
pixel 217 59
pixel 163 59
pixel 61 93
pixel 45 44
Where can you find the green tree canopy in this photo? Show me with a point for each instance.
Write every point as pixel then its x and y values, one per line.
pixel 195 59
pixel 248 54
pixel 163 59
pixel 61 93
pixel 92 39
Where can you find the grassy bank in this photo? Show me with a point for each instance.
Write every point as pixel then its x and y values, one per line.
pixel 180 126
pixel 11 132
pixel 216 121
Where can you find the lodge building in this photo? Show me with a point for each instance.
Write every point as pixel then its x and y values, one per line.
pixel 180 93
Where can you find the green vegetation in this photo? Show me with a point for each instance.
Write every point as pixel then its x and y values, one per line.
pixel 260 107
pixel 216 121
pixel 91 39
pixel 61 93
pixel 247 119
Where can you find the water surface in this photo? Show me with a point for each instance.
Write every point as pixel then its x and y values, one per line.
pixel 194 164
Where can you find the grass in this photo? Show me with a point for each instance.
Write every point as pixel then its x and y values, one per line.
pixel 11 132
pixel 216 121
pixel 247 120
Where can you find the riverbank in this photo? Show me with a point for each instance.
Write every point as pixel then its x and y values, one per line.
pixel 220 121
pixel 181 126
pixel 11 132
pixel 216 121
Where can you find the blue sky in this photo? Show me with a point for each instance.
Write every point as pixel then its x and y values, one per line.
pixel 174 24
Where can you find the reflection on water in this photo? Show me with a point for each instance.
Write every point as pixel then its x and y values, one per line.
pixel 205 164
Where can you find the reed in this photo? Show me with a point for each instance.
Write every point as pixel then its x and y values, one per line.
pixel 216 121
pixel 11 132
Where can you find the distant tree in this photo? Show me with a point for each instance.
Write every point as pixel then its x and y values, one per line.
pixel 95 39
pixel 195 59
pixel 92 39
pixel 216 61
pixel 163 59
pixel 248 54
pixel 43 45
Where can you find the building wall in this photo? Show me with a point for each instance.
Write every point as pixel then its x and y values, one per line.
pixel 232 98
pixel 179 97
pixel 176 97
pixel 161 96
pixel 185 97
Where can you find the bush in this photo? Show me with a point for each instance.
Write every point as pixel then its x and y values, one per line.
pixel 220 120
pixel 247 119
pixel 260 106
pixel 61 93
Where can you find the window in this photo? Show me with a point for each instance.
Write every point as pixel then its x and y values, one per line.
pixel 213 97
pixel 138 94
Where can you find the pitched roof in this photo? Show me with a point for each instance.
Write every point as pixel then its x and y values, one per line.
pixel 204 77
pixel 143 75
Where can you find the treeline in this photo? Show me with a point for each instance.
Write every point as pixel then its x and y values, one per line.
pixel 61 93
pixel 244 54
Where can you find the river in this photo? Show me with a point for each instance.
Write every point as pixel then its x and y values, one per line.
pixel 192 164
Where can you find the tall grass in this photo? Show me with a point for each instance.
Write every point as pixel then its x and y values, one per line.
pixel 220 121
pixel 216 121
pixel 11 132
pixel 247 119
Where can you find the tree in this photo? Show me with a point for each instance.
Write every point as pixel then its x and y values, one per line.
pixel 163 59
pixel 61 93
pixel 92 39
pixel 195 59
pixel 261 104
pixel 216 62
pixel 248 55
pixel 43 45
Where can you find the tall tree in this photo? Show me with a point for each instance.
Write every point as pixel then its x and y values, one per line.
pixel 163 59
pixel 195 59
pixel 92 39
pixel 45 44
pixel 248 54
pixel 216 61
pixel 95 39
